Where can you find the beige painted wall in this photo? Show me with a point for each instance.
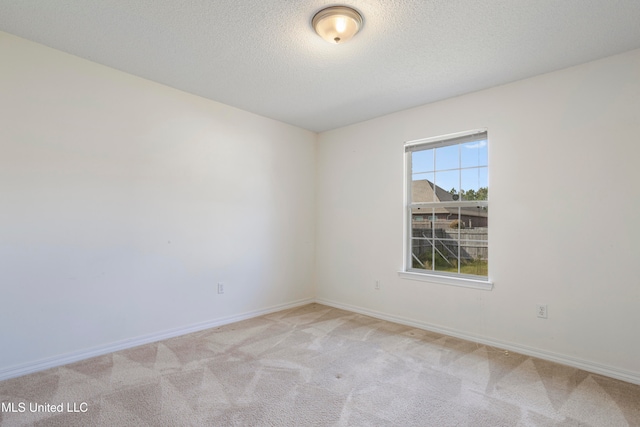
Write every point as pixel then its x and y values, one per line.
pixel 125 202
pixel 563 153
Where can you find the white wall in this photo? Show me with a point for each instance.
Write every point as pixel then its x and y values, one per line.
pixel 564 202
pixel 123 203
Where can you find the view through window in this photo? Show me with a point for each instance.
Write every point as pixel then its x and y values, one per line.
pixel 447 205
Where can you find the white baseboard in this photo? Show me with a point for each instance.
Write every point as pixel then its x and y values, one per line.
pixel 52 362
pixel 609 371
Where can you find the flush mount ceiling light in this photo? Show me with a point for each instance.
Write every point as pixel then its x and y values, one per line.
pixel 337 24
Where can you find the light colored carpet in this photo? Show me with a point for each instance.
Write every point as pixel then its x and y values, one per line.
pixel 319 366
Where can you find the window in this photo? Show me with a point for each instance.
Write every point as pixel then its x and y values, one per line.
pixel 447 209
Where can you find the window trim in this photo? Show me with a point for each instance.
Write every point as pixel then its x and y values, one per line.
pixel 443 279
pixel 407 272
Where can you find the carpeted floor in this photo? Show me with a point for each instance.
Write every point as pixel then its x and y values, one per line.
pixel 317 366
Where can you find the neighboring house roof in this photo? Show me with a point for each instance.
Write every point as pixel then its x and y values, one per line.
pixel 425 191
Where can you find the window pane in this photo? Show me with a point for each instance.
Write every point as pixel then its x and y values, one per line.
pixel 451 224
pixel 473 217
pixel 447 157
pixel 474 251
pixel 422 187
pixel 447 185
pixel 446 255
pixel 474 184
pixel 422 161
pixel 442 220
pixel 421 253
pixel 445 242
pixel 421 235
pixel 475 221
pixel 421 222
pixel 474 255
pixel 474 154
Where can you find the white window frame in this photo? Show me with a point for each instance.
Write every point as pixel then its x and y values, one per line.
pixel 408 271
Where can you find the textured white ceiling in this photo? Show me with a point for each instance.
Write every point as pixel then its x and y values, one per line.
pixel 263 56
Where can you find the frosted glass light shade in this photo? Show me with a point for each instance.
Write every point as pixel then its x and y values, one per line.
pixel 337 24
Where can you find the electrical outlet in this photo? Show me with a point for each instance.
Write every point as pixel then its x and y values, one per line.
pixel 221 288
pixel 377 285
pixel 541 310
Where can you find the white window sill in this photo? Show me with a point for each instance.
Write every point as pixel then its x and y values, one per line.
pixel 447 280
